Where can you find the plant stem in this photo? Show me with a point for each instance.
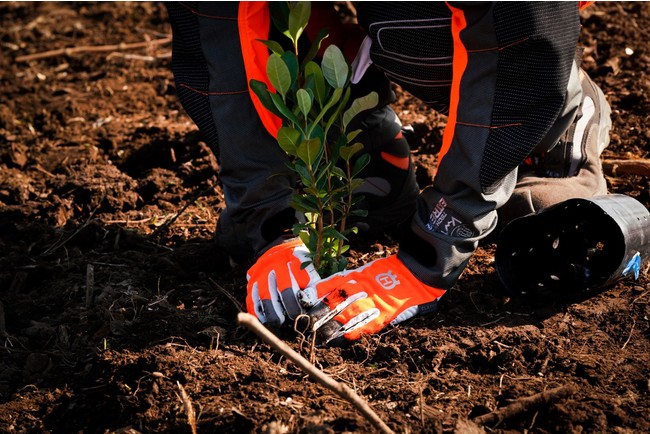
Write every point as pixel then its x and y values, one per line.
pixel 330 207
pixel 348 206
pixel 319 223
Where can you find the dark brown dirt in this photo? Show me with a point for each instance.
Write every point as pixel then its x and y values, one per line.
pixel 111 299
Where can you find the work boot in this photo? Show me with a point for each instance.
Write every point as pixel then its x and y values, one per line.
pixel 570 169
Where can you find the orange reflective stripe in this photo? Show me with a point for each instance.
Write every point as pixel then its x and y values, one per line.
pixel 582 5
pixel 254 21
pixel 399 162
pixel 458 23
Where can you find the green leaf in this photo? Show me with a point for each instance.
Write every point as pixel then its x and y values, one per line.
pixel 283 109
pixel 353 135
pixel 304 237
pixel 264 95
pixel 347 152
pixel 306 226
pixel 315 46
pixel 312 70
pixel 303 173
pixel 311 217
pixel 358 105
pixel 335 68
pixel 290 59
pixel 337 171
pixel 304 101
pixel 318 133
pixel 298 19
pixel 278 74
pixel 336 96
pixel 361 162
pixel 313 191
pixel 342 264
pixel 335 116
pixel 323 173
pixel 280 15
pixel 313 236
pixel 305 264
pixel 273 46
pixel 304 203
pixel 330 232
pixel 355 183
pixel 310 91
pixel 308 151
pixel 321 183
pixel 333 149
pixel 289 139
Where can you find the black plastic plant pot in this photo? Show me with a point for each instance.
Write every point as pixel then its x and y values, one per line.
pixel 576 245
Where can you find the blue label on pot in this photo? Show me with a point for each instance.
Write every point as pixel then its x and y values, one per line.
pixel 633 265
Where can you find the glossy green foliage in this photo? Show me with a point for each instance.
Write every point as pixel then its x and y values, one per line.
pixel 313 101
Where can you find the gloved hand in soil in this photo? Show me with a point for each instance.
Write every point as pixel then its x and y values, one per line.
pixel 275 280
pixel 364 301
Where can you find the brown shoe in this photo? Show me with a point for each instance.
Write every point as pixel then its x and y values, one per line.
pixel 572 168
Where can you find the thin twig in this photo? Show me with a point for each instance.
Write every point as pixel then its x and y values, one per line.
pixel 128 56
pixel 630 336
pixel 421 405
pixel 171 221
pixel 303 338
pixel 236 302
pixel 135 222
pixel 301 335
pixel 523 405
pixel 58 244
pixel 69 51
pixel 189 408
pixel 640 296
pixel 40 169
pixel 314 373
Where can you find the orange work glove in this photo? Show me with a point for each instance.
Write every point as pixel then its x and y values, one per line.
pixel 275 280
pixel 364 301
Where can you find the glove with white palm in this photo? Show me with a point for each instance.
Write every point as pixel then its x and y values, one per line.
pixel 276 279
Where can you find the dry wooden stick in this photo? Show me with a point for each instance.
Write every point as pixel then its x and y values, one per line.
pixel 314 373
pixel 626 167
pixel 630 336
pixel 127 56
pixel 523 405
pixel 69 51
pixel 189 409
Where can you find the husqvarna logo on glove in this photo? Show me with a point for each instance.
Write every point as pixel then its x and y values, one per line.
pixel 387 280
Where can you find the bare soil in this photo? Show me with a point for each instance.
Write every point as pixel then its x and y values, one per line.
pixel 113 295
